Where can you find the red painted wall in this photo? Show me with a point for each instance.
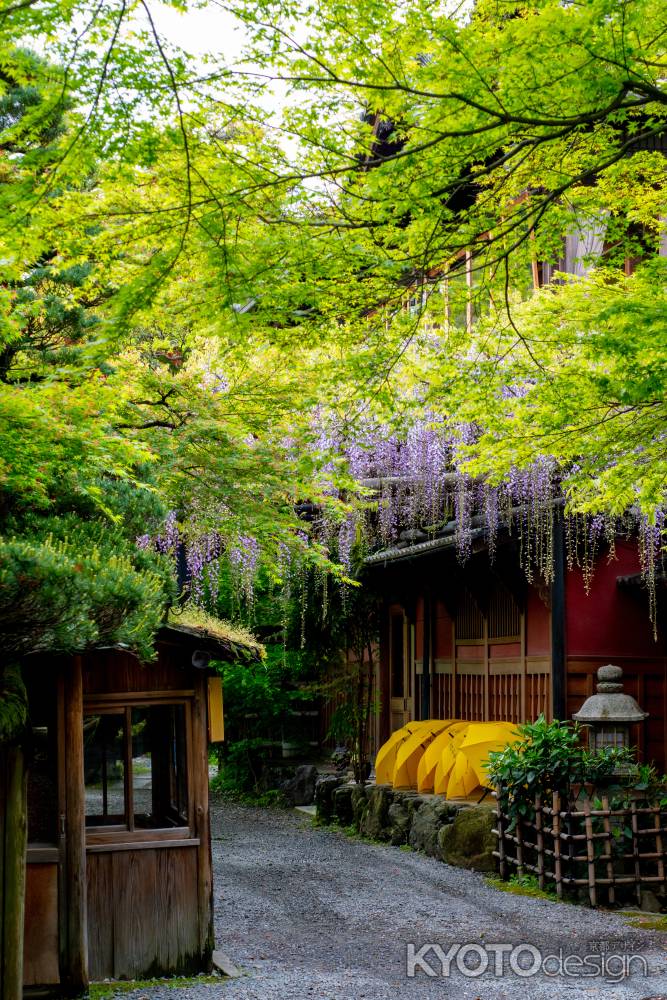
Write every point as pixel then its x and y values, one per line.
pixel 503 650
pixel 538 625
pixel 443 632
pixel 611 620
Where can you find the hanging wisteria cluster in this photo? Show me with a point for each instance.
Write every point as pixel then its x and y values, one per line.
pixel 403 489
pixel 415 488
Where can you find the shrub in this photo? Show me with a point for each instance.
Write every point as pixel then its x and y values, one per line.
pixel 551 758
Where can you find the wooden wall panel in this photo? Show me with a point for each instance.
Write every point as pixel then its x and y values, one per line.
pixel 40 941
pixel 112 671
pixel 136 931
pixel 505 693
pixel 100 916
pixel 538 689
pixel 143 912
pixel 470 695
pixel 176 900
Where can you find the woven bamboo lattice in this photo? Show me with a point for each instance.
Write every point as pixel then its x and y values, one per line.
pixel 613 853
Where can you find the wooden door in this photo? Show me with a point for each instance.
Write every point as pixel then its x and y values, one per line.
pixel 400 658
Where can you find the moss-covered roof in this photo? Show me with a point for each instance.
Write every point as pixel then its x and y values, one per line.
pixel 224 641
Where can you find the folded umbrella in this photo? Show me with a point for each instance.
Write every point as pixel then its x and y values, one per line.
pixel 385 759
pixel 483 737
pixel 447 760
pixel 410 752
pixel 462 779
pixel 433 753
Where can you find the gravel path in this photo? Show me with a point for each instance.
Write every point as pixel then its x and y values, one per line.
pixel 309 913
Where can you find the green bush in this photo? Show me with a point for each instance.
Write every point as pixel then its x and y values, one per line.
pixel 551 758
pixel 78 585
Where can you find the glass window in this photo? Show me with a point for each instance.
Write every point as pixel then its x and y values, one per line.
pixel 104 769
pixel 136 767
pixel 43 757
pixel 159 778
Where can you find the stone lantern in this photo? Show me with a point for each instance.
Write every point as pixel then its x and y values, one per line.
pixel 610 712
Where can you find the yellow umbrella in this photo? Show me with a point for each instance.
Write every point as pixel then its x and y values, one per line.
pixel 481 739
pixel 386 755
pixel 433 753
pixel 462 780
pixel 447 760
pixel 411 751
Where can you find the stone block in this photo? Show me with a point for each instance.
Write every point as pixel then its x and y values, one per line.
pixel 342 804
pixel 469 841
pixel 299 790
pixel 375 821
pixel 324 789
pixel 650 902
pixel 359 804
pixel 399 819
pixel 428 817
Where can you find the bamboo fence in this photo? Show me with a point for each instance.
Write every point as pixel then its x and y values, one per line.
pixel 589 845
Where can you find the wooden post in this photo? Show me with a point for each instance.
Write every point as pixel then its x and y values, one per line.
pixel 502 862
pixel 199 795
pixel 539 839
pixel 590 851
pixel 658 845
pixel 555 822
pixel 75 974
pixel 610 847
pixel 519 848
pixel 635 852
pixel 13 845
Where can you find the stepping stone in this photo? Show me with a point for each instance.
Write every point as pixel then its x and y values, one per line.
pixel 224 964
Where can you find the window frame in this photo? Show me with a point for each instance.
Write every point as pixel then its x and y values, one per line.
pixel 123 703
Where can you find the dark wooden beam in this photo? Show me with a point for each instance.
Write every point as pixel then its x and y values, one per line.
pixel 74 975
pixel 425 708
pixel 202 830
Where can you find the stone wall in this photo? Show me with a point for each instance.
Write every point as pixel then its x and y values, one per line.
pixel 459 833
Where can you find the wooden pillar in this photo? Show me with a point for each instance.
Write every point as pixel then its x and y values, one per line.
pixel 13 845
pixel 74 975
pixel 425 708
pixel 199 794
pixel 385 673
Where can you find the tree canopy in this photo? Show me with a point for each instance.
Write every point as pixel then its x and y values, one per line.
pixel 222 274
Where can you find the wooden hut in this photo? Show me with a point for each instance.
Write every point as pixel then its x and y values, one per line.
pixel 119 878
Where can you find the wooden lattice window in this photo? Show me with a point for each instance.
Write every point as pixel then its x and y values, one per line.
pixel 504 615
pixel 469 619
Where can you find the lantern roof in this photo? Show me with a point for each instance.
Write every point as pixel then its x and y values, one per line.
pixel 610 704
